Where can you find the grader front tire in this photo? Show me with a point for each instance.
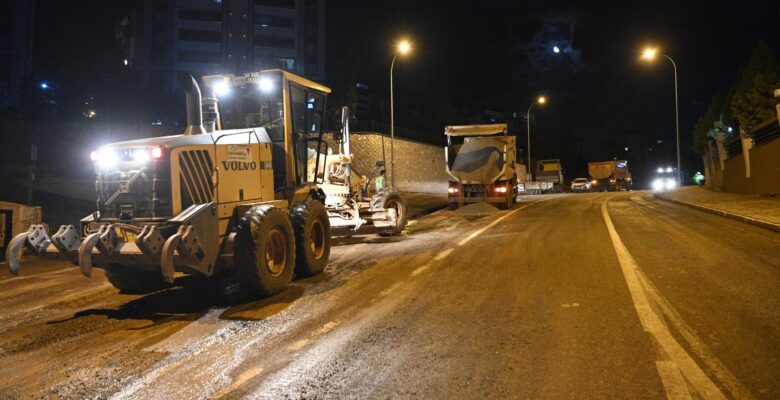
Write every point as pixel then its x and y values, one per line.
pixel 312 237
pixel 264 251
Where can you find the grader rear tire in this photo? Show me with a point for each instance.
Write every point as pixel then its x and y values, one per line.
pixel 395 201
pixel 131 281
pixel 312 237
pixel 264 251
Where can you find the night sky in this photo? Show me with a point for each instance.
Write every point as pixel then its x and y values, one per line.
pixel 491 54
pixel 499 54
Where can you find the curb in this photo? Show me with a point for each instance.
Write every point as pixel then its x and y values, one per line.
pixel 737 217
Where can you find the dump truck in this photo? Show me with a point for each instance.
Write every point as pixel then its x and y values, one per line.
pixel 232 193
pixel 550 171
pixel 481 161
pixel 610 175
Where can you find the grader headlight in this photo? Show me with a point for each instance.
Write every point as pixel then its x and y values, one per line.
pixel 105 158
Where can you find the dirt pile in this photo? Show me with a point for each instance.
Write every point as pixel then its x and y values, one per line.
pixel 477 209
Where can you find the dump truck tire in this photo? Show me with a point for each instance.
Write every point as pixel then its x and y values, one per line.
pixel 394 200
pixel 312 237
pixel 264 251
pixel 130 281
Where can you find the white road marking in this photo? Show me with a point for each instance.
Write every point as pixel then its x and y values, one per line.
pixel 671 378
pixel 420 269
pixel 653 324
pixel 443 254
pixel 492 224
pixel 446 252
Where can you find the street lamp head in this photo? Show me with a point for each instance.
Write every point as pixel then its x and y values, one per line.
pixel 541 100
pixel 556 49
pixel 404 47
pixel 649 53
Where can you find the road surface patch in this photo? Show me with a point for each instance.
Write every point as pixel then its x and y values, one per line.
pixel 492 224
pixel 655 325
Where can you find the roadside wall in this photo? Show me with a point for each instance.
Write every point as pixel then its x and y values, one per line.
pixel 764 170
pixel 420 167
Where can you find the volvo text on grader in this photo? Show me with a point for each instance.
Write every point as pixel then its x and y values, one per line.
pixel 233 192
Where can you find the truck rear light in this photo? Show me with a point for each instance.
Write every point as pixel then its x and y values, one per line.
pixel 595 182
pixel 612 181
pixel 157 153
pixel 452 190
pixel 500 189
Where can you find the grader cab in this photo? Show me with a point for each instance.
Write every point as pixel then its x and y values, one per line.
pixel 230 193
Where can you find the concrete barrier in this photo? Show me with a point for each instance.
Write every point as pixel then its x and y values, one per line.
pixel 15 219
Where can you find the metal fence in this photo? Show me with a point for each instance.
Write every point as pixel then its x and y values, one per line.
pixel 762 135
pixel 766 133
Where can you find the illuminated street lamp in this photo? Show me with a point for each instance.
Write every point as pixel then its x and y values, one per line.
pixel 540 100
pixel 649 54
pixel 404 47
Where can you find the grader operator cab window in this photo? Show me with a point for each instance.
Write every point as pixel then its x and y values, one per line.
pixel 253 105
pixel 308 107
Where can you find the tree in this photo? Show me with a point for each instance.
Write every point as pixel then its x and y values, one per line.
pixel 752 101
pixel 714 113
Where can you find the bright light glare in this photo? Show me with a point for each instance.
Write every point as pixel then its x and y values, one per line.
pixel 404 47
pixel 670 184
pixel 141 155
pixel 106 158
pixel 649 53
pixel 44 85
pixel 265 85
pixel 660 170
pixel 669 169
pixel 541 100
pixel 658 184
pixel 156 153
pixel 221 88
pixel 556 49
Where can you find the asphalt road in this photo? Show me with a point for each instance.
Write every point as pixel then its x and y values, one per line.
pixel 602 295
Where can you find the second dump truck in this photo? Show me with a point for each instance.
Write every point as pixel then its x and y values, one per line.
pixel 480 159
pixel 610 175
pixel 550 171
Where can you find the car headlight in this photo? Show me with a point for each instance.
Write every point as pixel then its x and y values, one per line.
pixel 658 184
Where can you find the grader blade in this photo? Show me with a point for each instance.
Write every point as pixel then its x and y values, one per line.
pixel 36 239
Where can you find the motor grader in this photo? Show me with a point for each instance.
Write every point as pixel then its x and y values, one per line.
pixel 230 193
pixel 355 205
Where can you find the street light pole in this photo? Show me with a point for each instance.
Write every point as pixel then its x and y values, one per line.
pixel 392 127
pixel 528 130
pixel 540 100
pixel 649 54
pixel 676 120
pixel 403 47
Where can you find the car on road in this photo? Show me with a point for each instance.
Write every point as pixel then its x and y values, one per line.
pixel 580 185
